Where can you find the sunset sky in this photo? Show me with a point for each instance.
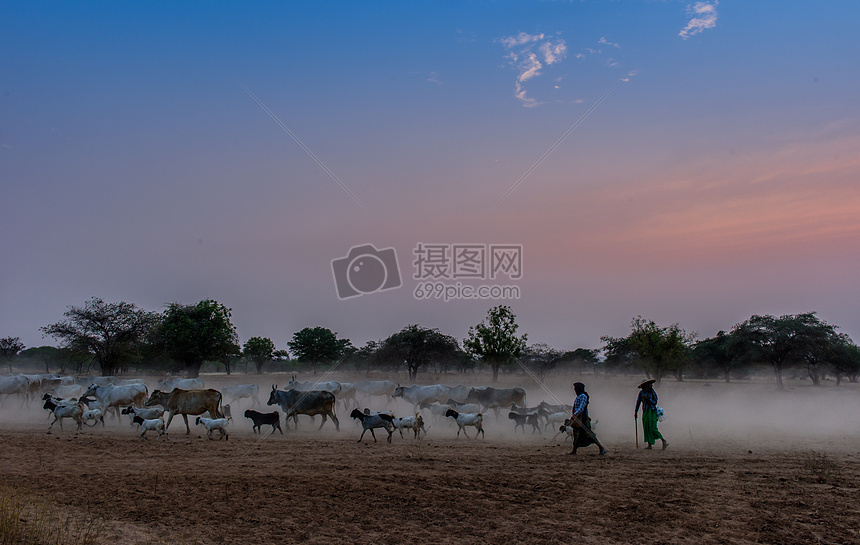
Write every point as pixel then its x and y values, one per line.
pixel 154 152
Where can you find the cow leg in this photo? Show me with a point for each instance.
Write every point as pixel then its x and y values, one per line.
pixel 322 423
pixel 336 423
pixel 187 427
pixel 390 432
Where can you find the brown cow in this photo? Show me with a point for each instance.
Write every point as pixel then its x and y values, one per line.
pixel 187 402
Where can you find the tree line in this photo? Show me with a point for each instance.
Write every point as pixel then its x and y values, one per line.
pixel 114 337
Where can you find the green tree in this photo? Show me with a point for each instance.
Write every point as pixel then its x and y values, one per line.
pixel 660 350
pixel 845 359
pixel 317 345
pixel 619 353
pixel 496 341
pixel 113 333
pixel 363 358
pixel 816 340
pixel 230 356
pixel 581 358
pixel 719 353
pixel 260 350
pixel 417 346
pixel 781 342
pixel 540 357
pixel 9 348
pixel 44 355
pixel 192 334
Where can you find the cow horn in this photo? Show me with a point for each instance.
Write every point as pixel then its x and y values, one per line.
pixel 274 387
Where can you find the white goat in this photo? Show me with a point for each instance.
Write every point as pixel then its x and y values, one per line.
pixel 147 413
pixel 150 424
pixel 370 421
pixel 414 423
pixel 64 409
pixel 553 418
pixel 96 415
pixel 212 424
pixel 467 419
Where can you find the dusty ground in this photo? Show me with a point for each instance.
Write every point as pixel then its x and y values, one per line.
pixel 324 487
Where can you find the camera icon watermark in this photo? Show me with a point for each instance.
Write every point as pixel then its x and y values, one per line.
pixel 365 270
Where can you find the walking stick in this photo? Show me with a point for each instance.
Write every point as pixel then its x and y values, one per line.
pixel 636 430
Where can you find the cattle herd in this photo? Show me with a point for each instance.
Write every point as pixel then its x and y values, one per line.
pixel 88 401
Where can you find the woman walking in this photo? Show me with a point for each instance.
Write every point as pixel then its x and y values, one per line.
pixel 648 400
pixel 581 423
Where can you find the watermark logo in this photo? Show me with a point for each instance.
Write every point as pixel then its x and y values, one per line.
pixel 444 271
pixel 365 270
pixel 442 268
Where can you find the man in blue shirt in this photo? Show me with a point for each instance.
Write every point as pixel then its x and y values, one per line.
pixel 580 421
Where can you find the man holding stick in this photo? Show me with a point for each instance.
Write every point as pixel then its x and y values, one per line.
pixel 580 421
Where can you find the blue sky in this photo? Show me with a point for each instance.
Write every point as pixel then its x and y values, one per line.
pixel 717 179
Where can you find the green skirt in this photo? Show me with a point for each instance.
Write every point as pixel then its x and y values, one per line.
pixel 649 427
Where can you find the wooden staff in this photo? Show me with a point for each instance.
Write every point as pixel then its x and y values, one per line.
pixel 636 430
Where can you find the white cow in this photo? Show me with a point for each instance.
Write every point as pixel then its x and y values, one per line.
pixel 371 388
pixel 13 385
pixel 332 386
pixel 241 391
pixel 422 394
pixel 113 396
pixel 167 385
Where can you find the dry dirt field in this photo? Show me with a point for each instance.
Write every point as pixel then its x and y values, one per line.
pixel 753 481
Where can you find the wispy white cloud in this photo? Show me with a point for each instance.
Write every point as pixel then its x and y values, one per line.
pixel 553 52
pixel 704 16
pixel 520 39
pixel 603 40
pixel 433 77
pixel 528 54
pixel 629 75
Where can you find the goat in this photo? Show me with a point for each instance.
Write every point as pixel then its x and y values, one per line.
pixel 553 418
pixel 97 415
pixel 414 423
pixel 523 419
pixel 525 410
pixel 438 411
pixel 260 419
pixel 555 408
pixel 371 421
pixel 467 419
pixel 64 409
pixel 567 429
pixel 212 424
pixel 153 424
pixel 147 413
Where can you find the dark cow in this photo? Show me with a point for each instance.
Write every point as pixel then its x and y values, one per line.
pixel 265 419
pixel 496 398
pixel 185 402
pixel 313 402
